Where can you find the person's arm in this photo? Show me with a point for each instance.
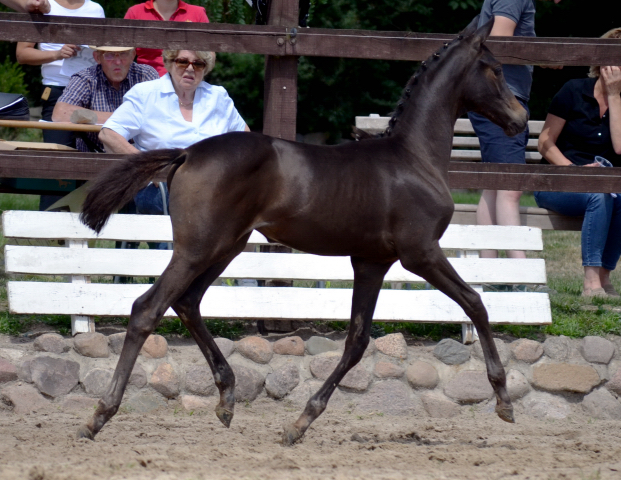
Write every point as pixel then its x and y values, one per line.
pixel 611 77
pixel 27 54
pixel 503 27
pixel 552 128
pixel 246 128
pixel 62 113
pixel 115 143
pixel 28 6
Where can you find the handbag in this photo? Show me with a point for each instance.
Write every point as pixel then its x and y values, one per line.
pixel 13 106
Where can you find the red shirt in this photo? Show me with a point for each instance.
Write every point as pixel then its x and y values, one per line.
pixel 146 11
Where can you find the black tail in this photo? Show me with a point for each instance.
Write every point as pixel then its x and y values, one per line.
pixel 115 187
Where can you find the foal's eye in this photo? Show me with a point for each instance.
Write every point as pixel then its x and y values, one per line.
pixel 497 70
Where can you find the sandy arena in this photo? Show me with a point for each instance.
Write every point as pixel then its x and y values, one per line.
pixel 340 445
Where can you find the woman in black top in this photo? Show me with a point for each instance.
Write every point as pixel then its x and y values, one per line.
pixel 584 121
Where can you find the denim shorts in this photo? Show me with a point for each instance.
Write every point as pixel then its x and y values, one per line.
pixel 496 146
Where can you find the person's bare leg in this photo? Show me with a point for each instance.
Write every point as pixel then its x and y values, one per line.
pixel 508 213
pixel 604 278
pixel 486 215
pixel 592 279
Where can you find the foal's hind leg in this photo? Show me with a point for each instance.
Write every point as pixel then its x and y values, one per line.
pixel 433 266
pixel 188 309
pixel 368 278
pixel 147 310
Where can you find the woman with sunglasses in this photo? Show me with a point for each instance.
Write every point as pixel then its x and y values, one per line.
pixel 175 111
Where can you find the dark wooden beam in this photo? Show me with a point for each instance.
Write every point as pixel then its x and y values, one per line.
pixel 85 166
pixel 272 40
pixel 281 76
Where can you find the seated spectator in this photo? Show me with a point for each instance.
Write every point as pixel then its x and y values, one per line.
pixel 173 10
pixel 175 111
pixel 28 6
pixel 584 121
pixel 101 88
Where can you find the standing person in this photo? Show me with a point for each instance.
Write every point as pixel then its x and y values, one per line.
pixel 51 57
pixel 583 125
pixel 172 10
pixel 502 207
pixel 28 6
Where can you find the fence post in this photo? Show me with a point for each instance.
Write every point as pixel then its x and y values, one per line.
pixel 80 323
pixel 468 331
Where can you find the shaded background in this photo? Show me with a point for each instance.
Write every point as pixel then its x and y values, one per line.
pixel 332 91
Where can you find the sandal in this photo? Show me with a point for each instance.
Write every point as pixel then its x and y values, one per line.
pixel 595 292
pixel 610 291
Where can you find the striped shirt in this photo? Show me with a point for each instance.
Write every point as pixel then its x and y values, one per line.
pixel 90 88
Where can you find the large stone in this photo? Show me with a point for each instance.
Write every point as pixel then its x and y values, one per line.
pixel 51 342
pixel 358 378
pixel 256 349
pixel 597 350
pixel 525 350
pixel 392 345
pixel 92 344
pixel 517 385
pixel 614 384
pixel 282 381
pixel 144 401
pixel 12 355
pixel 115 341
pixel 602 404
pixel 451 352
pixel 438 406
pixel 193 403
pixel 53 376
pixel 389 396
pixel 199 380
pixel 226 346
pixel 97 381
pixel 138 377
pixel 503 351
pixel 563 377
pixel 8 371
pixel 558 348
pixel 371 349
pixel 289 346
pixel 469 386
pixel 165 381
pixel 546 406
pixel 317 345
pixel 155 346
pixel 248 383
pixel 24 398
pixel 23 369
pixel 388 370
pixel 422 375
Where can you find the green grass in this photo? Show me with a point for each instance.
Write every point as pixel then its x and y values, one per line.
pixel 572 315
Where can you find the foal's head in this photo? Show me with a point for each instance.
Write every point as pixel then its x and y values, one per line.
pixel 483 86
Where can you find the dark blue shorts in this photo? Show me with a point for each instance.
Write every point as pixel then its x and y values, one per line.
pixel 496 146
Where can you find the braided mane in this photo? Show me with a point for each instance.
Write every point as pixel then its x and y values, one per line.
pixel 405 95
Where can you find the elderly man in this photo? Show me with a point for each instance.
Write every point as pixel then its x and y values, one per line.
pixel 28 6
pixel 100 88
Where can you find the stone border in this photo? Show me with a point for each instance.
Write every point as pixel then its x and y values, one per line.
pixel 550 380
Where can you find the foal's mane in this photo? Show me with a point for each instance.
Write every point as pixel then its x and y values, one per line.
pixel 361 135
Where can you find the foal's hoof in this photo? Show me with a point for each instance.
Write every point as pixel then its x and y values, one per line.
pixel 505 413
pixel 290 435
pixel 225 415
pixel 84 432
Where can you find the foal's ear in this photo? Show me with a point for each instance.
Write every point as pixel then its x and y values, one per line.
pixel 482 33
pixel 471 28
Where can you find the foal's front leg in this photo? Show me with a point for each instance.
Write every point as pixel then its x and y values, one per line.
pixel 368 278
pixel 434 267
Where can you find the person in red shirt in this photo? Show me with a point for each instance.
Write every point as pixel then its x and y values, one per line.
pixel 173 10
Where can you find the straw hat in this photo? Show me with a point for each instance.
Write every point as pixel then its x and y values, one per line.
pixel 110 49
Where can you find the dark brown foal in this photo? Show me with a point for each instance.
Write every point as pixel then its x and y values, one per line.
pixel 378 201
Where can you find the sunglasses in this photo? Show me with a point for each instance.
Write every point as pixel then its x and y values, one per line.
pixel 183 63
pixel 122 55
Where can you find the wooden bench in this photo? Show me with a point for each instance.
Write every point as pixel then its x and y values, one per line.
pixel 466 147
pixel 77 294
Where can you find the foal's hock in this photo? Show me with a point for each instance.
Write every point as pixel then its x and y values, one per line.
pixel 378 201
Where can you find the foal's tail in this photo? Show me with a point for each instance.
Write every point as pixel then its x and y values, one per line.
pixel 115 187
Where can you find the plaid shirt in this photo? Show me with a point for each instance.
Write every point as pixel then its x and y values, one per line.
pixel 90 88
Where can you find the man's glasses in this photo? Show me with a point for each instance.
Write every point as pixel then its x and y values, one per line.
pixel 183 63
pixel 113 55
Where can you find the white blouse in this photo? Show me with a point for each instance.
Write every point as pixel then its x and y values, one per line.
pixel 150 115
